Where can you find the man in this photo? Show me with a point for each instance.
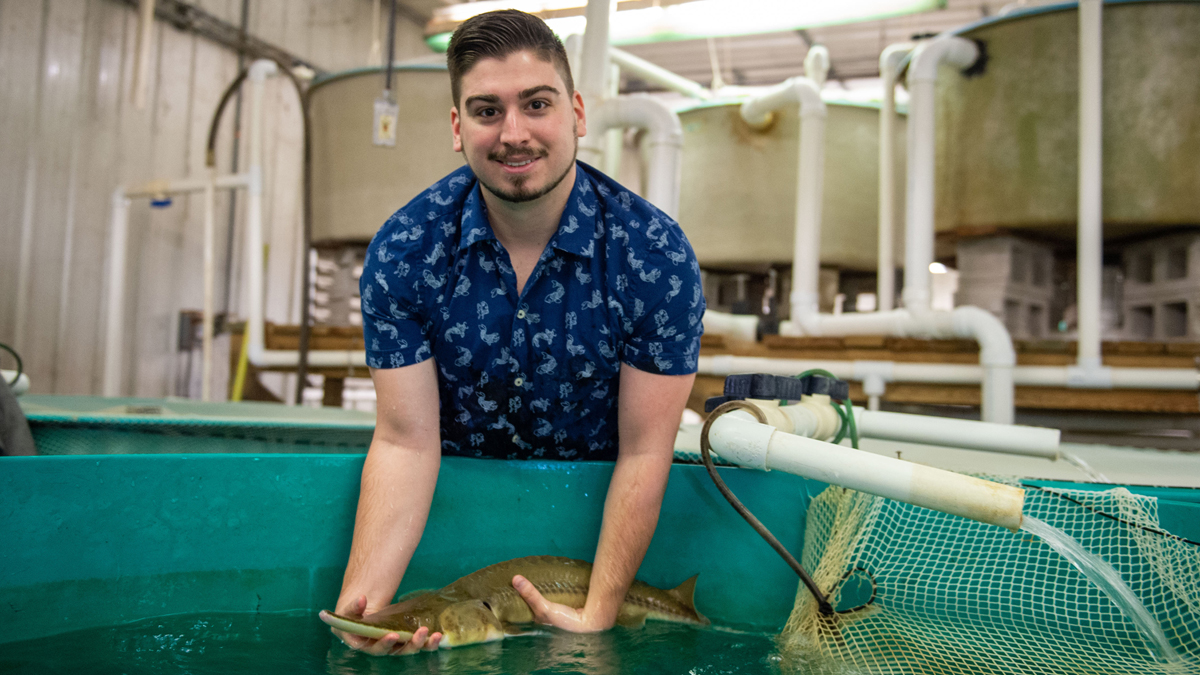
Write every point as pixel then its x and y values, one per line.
pixel 524 306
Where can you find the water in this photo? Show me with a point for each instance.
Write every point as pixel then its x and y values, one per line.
pixel 1102 574
pixel 298 644
pixel 1085 467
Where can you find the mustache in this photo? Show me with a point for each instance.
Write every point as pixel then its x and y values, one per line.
pixel 517 154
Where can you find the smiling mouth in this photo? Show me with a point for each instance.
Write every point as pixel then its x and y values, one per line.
pixel 520 163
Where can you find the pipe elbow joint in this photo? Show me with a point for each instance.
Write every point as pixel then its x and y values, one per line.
pixel 640 111
pixel 757 111
pixel 955 51
pixel 995 343
pixel 816 64
pixel 261 69
pixel 893 55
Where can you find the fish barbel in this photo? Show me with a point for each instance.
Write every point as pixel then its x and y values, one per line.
pixel 484 606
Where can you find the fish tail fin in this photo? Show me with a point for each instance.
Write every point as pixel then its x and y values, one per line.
pixel 685 593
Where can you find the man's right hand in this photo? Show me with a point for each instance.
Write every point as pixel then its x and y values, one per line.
pixel 388 645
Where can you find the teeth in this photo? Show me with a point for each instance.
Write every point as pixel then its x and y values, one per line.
pixel 519 163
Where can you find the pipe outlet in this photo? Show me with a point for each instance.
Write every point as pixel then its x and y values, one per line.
pixel 954 51
pixel 757 111
pixel 261 69
pixel 816 65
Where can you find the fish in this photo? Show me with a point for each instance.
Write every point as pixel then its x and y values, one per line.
pixel 484 606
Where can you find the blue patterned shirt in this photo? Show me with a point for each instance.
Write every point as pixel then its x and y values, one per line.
pixel 534 375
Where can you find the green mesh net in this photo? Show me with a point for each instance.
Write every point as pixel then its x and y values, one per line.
pixel 925 592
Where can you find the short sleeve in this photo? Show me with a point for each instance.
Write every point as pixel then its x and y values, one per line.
pixel 667 303
pixel 393 328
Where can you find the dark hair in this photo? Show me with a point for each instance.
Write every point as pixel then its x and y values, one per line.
pixel 495 35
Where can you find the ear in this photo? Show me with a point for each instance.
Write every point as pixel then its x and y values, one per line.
pixel 456 128
pixel 580 115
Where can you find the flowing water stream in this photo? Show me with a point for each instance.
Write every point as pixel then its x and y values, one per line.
pixel 1108 580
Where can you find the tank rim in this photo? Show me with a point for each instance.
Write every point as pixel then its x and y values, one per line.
pixel 1030 12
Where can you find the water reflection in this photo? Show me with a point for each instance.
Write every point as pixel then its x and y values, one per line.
pixel 657 648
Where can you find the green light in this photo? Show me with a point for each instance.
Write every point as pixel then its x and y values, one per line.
pixel 727 18
pixel 439 43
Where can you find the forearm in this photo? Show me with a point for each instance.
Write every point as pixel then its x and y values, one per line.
pixel 393 505
pixel 630 515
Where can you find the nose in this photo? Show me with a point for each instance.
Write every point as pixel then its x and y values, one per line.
pixel 515 131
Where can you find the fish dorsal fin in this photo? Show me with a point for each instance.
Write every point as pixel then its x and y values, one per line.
pixel 685 593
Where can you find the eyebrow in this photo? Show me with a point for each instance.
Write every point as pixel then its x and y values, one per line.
pixel 537 90
pixel 527 93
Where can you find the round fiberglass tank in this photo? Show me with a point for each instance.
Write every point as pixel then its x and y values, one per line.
pixel 1008 139
pixel 738 193
pixel 357 185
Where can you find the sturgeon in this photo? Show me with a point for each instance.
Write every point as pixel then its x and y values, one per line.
pixel 484 606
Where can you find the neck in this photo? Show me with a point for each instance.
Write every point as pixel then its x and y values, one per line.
pixel 529 224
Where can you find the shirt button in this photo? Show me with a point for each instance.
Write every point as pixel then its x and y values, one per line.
pixel 516 438
pixel 518 382
pixel 520 314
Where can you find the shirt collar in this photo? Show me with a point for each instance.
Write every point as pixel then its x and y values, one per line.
pixel 576 228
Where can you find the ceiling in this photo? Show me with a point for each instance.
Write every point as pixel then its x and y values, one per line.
pixel 769 58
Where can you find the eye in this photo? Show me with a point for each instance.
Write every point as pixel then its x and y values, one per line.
pixel 539 105
pixel 486 112
pixel 488 605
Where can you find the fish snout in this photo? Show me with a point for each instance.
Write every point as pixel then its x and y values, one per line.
pixel 470 622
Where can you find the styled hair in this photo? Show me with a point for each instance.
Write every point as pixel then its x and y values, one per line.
pixel 495 35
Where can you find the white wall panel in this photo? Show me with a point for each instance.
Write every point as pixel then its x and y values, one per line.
pixel 21 37
pixel 69 135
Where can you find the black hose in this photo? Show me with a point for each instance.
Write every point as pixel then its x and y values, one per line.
pixel 391 53
pixel 20 366
pixel 210 157
pixel 211 160
pixel 705 453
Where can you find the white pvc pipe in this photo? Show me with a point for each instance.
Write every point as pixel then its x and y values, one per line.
pixel 816 65
pixel 806 253
pixel 739 326
pixel 996 353
pixel 1173 379
pixel 1006 438
pixel 256 349
pixel 889 63
pixel 255 286
pixel 20 386
pixel 209 282
pixel 1090 241
pixel 614 139
pixel 739 439
pixel 118 241
pixel 919 226
pixel 141 68
pixel 650 73
pixel 664 140
pixel 113 339
pixel 593 74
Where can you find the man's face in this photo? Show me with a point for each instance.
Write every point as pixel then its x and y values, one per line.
pixel 516 125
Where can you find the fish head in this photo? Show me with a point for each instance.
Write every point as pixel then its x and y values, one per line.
pixel 469 622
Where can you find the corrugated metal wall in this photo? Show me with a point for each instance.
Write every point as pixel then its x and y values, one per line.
pixel 69 134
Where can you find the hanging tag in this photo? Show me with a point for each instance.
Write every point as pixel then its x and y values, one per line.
pixel 386 114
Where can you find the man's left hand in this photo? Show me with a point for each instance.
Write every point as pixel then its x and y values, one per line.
pixel 554 614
